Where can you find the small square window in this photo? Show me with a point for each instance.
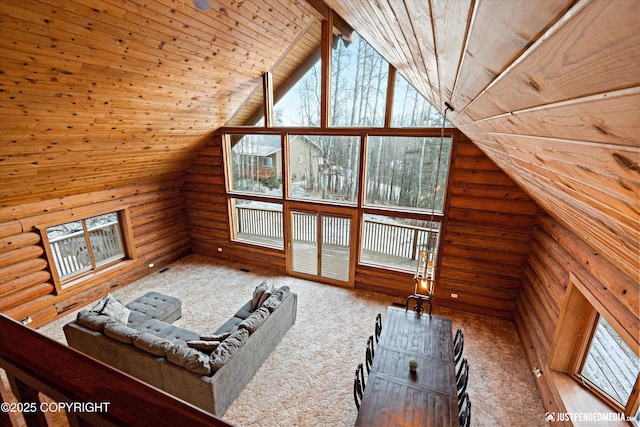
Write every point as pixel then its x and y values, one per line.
pixel 610 364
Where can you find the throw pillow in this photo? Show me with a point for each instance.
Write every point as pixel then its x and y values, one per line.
pixel 152 344
pixel 227 348
pixel 266 294
pixel 218 337
pixel 252 322
pixel 206 346
pixel 189 358
pixel 257 293
pixel 115 309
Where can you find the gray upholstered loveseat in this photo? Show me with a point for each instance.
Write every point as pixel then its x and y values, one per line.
pixel 149 348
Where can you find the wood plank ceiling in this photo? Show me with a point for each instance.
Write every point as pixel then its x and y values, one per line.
pixel 96 95
pixel 101 94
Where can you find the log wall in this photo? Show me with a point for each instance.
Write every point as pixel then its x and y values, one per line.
pixel 160 233
pixel 556 253
pixel 486 241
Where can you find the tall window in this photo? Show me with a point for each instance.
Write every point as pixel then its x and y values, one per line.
pixel 329 170
pixel 407 172
pixel 86 245
pixel 358 85
pixel 256 164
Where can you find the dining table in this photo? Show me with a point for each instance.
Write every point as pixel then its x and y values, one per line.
pixel 395 396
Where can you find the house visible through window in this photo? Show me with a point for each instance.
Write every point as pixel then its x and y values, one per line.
pixel 87 245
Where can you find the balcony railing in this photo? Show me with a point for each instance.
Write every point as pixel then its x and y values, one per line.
pixel 72 257
pixel 379 239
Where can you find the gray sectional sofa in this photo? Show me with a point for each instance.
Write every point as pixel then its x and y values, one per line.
pixel 208 372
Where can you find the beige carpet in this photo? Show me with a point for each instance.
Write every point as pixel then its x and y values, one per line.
pixel 308 379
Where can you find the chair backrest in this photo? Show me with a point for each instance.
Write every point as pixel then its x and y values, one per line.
pixel 458 348
pixel 457 337
pixel 358 385
pixel 378 327
pixel 465 411
pixel 461 384
pixel 461 368
pixel 370 345
pixel 368 360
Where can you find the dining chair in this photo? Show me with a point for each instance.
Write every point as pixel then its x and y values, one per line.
pixel 368 360
pixel 457 336
pixel 358 385
pixel 378 327
pixel 461 384
pixel 460 368
pixel 465 411
pixel 457 349
pixel 370 346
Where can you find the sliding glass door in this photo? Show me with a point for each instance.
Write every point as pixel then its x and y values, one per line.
pixel 320 245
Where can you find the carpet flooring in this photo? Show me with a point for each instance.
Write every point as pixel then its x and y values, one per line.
pixel 308 379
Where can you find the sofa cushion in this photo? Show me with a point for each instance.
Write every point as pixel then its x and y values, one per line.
pixel 156 327
pixel 92 320
pixel 113 308
pixel 257 293
pixel 245 311
pixel 189 358
pixel 276 298
pixel 205 346
pixel 152 344
pixel 154 305
pixel 230 325
pixel 227 348
pixel 252 322
pixel 120 332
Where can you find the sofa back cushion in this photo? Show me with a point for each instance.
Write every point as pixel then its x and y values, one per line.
pixel 120 332
pixel 252 322
pixel 152 344
pixel 189 358
pixel 227 348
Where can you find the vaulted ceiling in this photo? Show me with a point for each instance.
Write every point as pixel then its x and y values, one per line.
pixel 100 94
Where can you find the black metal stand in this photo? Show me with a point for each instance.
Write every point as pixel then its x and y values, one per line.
pixel 419 301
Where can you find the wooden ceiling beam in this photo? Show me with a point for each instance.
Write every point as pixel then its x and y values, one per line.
pixel 340 26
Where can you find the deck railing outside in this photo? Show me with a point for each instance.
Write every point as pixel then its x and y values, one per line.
pixel 71 255
pixel 397 240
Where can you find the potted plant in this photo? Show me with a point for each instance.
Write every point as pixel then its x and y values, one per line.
pixel 413 365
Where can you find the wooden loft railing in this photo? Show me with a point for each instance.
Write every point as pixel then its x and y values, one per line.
pixel 98 394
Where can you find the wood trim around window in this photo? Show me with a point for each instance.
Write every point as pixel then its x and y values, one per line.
pixel 79 214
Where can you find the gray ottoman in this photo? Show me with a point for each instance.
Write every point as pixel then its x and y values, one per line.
pixel 154 305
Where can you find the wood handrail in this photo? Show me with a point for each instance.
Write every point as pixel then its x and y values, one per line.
pixel 35 363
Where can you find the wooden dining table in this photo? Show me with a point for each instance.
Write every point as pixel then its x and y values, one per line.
pixel 393 396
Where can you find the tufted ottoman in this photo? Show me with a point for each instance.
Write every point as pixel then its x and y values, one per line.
pixel 154 305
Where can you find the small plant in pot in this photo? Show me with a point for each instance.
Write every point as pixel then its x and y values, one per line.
pixel 413 365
